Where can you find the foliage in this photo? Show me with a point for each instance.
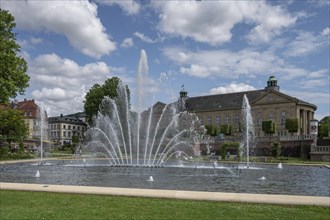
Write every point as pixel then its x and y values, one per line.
pixel 276 149
pixel 12 126
pixel 324 127
pixel 268 127
pixel 9 154
pixel 226 145
pixel 13 77
pixel 69 147
pixel 211 130
pixel 291 124
pixel 226 129
pixel 97 93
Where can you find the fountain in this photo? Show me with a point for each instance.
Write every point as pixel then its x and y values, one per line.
pixel 42 129
pixel 158 148
pixel 147 138
pixel 248 130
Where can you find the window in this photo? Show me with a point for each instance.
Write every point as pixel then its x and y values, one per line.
pixel 209 120
pixel 283 118
pixel 64 126
pixel 218 119
pixel 259 122
pixel 69 133
pixel 271 115
pixel 78 128
pixel 227 119
pixel 69 127
pixel 236 119
pixel 74 127
pixel 64 133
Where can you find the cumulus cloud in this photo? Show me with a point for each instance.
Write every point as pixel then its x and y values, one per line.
pixel 76 20
pixel 127 42
pixel 233 87
pixel 61 84
pixel 228 64
pixel 212 21
pixel 130 7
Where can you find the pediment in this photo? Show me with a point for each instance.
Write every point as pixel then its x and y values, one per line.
pixel 274 97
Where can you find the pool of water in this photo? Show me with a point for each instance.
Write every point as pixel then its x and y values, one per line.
pixel 265 179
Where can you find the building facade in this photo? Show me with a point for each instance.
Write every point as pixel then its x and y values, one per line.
pixel 61 129
pixel 268 104
pixel 32 117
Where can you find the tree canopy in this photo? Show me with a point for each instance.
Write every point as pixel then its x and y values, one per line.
pixel 13 77
pixel 12 126
pixel 97 93
pixel 324 127
pixel 291 124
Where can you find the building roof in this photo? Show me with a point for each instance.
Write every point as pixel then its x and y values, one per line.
pixel 26 106
pixel 233 100
pixel 66 119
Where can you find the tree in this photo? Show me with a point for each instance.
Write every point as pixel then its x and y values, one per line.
pixel 323 130
pixel 12 126
pixel 291 124
pixel 96 94
pixel 276 149
pixel 225 129
pixel 13 77
pixel 268 127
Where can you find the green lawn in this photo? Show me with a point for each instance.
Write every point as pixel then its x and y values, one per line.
pixel 41 205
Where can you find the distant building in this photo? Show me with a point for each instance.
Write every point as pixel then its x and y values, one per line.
pixel 266 104
pixel 61 129
pixel 30 112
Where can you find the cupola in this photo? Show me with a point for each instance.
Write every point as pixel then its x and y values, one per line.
pixel 272 84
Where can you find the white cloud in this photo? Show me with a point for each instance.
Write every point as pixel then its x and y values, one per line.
pixel 212 21
pixel 325 32
pixel 60 84
pixel 270 20
pixel 196 70
pixel 130 7
pixel 76 20
pixel 144 38
pixel 127 42
pixel 244 63
pixel 306 43
pixel 233 87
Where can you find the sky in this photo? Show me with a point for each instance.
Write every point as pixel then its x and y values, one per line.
pixel 207 47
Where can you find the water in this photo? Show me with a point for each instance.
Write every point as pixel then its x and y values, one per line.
pixel 42 127
pixel 148 137
pixel 291 180
pixel 248 130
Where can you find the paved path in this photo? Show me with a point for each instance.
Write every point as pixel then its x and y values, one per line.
pixel 173 194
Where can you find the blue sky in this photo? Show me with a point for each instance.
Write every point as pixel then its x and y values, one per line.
pixel 210 47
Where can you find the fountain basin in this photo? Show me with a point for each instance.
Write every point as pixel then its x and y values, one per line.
pixel 291 180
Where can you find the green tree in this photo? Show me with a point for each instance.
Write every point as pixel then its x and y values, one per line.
pixel 276 149
pixel 268 127
pixel 12 126
pixel 13 77
pixel 97 93
pixel 323 130
pixel 291 124
pixel 225 129
pixel 211 130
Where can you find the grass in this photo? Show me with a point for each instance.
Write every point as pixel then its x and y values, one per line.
pixel 43 205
